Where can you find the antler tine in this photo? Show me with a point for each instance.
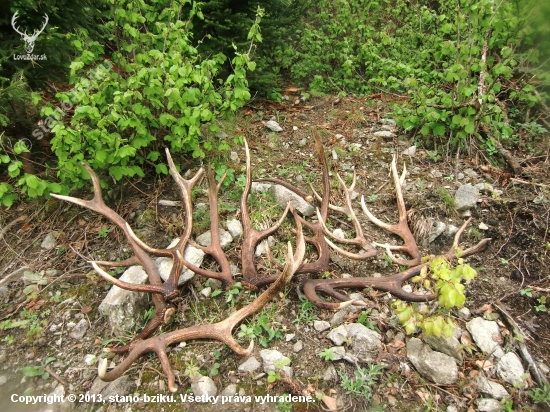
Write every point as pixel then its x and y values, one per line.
pixel 392 284
pixel 45 23
pixel 220 331
pixel 401 228
pixel 98 205
pixel 359 239
pixel 251 236
pixel 214 249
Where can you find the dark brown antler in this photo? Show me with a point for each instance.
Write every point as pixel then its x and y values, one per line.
pixel 392 284
pixel 251 236
pixel 220 331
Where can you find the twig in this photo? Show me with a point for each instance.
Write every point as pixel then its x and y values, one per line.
pixel 12 223
pixel 528 183
pixel 56 376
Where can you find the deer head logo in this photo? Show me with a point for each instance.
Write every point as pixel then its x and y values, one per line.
pixel 29 40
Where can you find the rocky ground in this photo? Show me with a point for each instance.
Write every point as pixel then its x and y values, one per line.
pixel 57 315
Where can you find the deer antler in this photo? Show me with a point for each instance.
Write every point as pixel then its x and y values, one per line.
pixel 359 239
pixel 251 236
pixel 220 331
pixel 401 229
pixel 392 284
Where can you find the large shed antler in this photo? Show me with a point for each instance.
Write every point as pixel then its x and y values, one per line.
pixel 401 229
pixel 251 236
pixel 368 249
pixel 220 331
pixel 29 40
pixel 163 293
pixel 392 284
pixel 318 239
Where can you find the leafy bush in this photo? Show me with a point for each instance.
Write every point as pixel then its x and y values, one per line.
pixel 156 91
pixel 458 69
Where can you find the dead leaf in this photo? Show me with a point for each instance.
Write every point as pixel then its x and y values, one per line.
pixel 85 309
pixel 291 89
pixel 486 365
pixel 330 403
pixel 97 341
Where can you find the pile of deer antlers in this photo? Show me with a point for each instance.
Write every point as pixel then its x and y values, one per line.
pixel 164 294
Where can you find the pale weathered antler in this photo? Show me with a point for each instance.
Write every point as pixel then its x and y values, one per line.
pixel 401 229
pixel 220 331
pixel 359 239
pixel 392 284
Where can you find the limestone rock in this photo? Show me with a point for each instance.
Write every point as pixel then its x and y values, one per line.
pixel 274 126
pixel 483 332
pixel 192 255
pixel 283 196
pixel 250 365
pixel 365 343
pixel 235 228
pixel 203 386
pixel 488 405
pixel 466 197
pixel 123 308
pixel 447 345
pixel 493 389
pixel 49 241
pixel 439 368
pixel 274 360
pixel 80 329
pixel 206 239
pixel 510 369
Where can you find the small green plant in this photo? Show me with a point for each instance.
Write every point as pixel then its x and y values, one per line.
pixel 9 340
pixel 307 312
pixel 214 371
pixel 541 307
pixel 327 354
pixel 434 155
pixel 445 197
pixel 365 321
pixel 36 280
pixel 372 198
pixel 230 294
pixel 526 292
pixel 149 313
pixel 541 395
pixel 504 261
pixel 191 369
pixel 449 289
pixel 275 375
pixel 32 371
pixel 361 385
pixel 103 232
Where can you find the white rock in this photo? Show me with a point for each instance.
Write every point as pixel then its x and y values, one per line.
pixel 510 369
pixel 203 386
pixel 464 313
pixel 488 405
pixel 411 151
pixel 49 241
pixel 260 249
pixel 283 196
pixel 435 366
pixel 235 228
pixel 250 365
pixel 294 128
pixel 302 142
pixel 493 389
pixel 274 126
pixel 206 239
pixel 234 157
pixel 483 332
pixel 230 390
pixel 124 308
pixel 321 325
pixel 298 346
pixel 338 353
pixel 192 255
pixel 384 133
pixel 437 229
pixel 90 359
pixel 259 187
pixel 339 233
pixel 274 360
pixel 389 122
pixel 206 292
pixel 450 231
pixel 483 226
pixel 365 343
pixel 80 329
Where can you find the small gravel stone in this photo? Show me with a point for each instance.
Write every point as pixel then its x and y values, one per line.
pixel 321 325
pixel 298 346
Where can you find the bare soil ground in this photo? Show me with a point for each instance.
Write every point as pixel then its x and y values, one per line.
pixel 516 260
